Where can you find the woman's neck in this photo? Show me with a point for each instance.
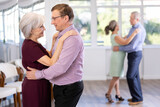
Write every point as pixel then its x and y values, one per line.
pixel 115 32
pixel 32 37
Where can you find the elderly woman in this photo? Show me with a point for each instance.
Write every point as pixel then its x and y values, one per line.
pixel 36 93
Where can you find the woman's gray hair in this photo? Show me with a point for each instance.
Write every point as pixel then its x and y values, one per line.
pixel 30 21
pixel 136 15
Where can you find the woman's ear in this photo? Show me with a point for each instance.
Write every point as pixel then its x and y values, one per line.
pixel 31 31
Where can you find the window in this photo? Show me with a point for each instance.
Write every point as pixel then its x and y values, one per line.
pixel 1 28
pixel 130 2
pixel 11 24
pixel 82 19
pixel 152 25
pixel 120 10
pixel 151 2
pixel 104 16
pixel 79 2
pixel 36 8
pixel 91 17
pixel 82 23
pixel 107 2
pixel 125 20
pixel 39 8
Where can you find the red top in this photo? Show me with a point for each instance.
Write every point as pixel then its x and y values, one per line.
pixel 35 93
pixel 31 52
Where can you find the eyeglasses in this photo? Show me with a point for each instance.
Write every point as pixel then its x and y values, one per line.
pixel 54 18
pixel 42 27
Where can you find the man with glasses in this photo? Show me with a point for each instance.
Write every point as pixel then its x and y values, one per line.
pixel 66 73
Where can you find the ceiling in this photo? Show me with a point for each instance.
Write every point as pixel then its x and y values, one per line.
pixel 4 1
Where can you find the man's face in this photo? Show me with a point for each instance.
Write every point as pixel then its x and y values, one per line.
pixel 57 20
pixel 133 21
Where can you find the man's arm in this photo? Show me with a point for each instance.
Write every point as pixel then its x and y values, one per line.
pixel 132 45
pixel 69 53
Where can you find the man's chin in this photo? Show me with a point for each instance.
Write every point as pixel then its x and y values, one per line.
pixel 57 29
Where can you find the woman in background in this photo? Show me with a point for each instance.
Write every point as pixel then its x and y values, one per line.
pixel 117 58
pixel 37 93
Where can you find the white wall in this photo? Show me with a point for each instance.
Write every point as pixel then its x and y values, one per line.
pixel 151 63
pixel 97 61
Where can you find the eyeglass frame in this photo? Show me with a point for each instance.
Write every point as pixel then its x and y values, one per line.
pixel 54 18
pixel 42 27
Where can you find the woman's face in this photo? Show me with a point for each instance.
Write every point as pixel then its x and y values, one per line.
pixel 38 32
pixel 117 28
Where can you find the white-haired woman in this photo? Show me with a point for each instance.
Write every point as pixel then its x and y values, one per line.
pixel 117 58
pixel 36 93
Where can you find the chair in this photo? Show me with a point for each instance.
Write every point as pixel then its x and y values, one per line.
pixel 18 63
pixel 11 71
pixel 5 92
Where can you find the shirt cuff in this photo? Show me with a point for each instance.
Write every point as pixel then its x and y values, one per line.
pixel 38 74
pixel 120 48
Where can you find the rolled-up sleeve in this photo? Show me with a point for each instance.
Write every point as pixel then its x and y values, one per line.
pixel 69 53
pixel 133 44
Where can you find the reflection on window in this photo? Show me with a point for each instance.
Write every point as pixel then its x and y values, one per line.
pixel 104 16
pixel 152 25
pixel 82 23
pixel 126 26
pixel 107 2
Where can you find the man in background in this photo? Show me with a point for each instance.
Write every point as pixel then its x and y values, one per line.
pixel 134 50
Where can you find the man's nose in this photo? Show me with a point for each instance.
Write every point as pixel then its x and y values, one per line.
pixel 52 22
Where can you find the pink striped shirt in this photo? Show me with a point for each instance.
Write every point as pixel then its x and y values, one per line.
pixel 68 68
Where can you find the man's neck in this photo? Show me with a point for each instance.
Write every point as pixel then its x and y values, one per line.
pixel 66 26
pixel 135 23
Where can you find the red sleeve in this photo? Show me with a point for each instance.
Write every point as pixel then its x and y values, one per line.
pixel 33 52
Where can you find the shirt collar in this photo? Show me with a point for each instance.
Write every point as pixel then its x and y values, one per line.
pixel 65 30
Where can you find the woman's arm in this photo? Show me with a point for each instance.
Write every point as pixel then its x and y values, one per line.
pixel 126 41
pixel 45 60
pixel 53 42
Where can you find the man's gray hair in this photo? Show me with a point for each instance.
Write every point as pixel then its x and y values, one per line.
pixel 136 15
pixel 30 21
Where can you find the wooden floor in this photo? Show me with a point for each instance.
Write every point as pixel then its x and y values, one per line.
pixel 93 94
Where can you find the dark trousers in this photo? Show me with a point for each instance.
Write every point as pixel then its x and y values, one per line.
pixel 67 95
pixel 133 78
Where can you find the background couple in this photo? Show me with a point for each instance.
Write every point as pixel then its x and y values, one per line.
pixel 132 44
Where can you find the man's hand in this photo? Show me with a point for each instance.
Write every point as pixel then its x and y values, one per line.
pixel 31 74
pixel 116 48
pixel 55 35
